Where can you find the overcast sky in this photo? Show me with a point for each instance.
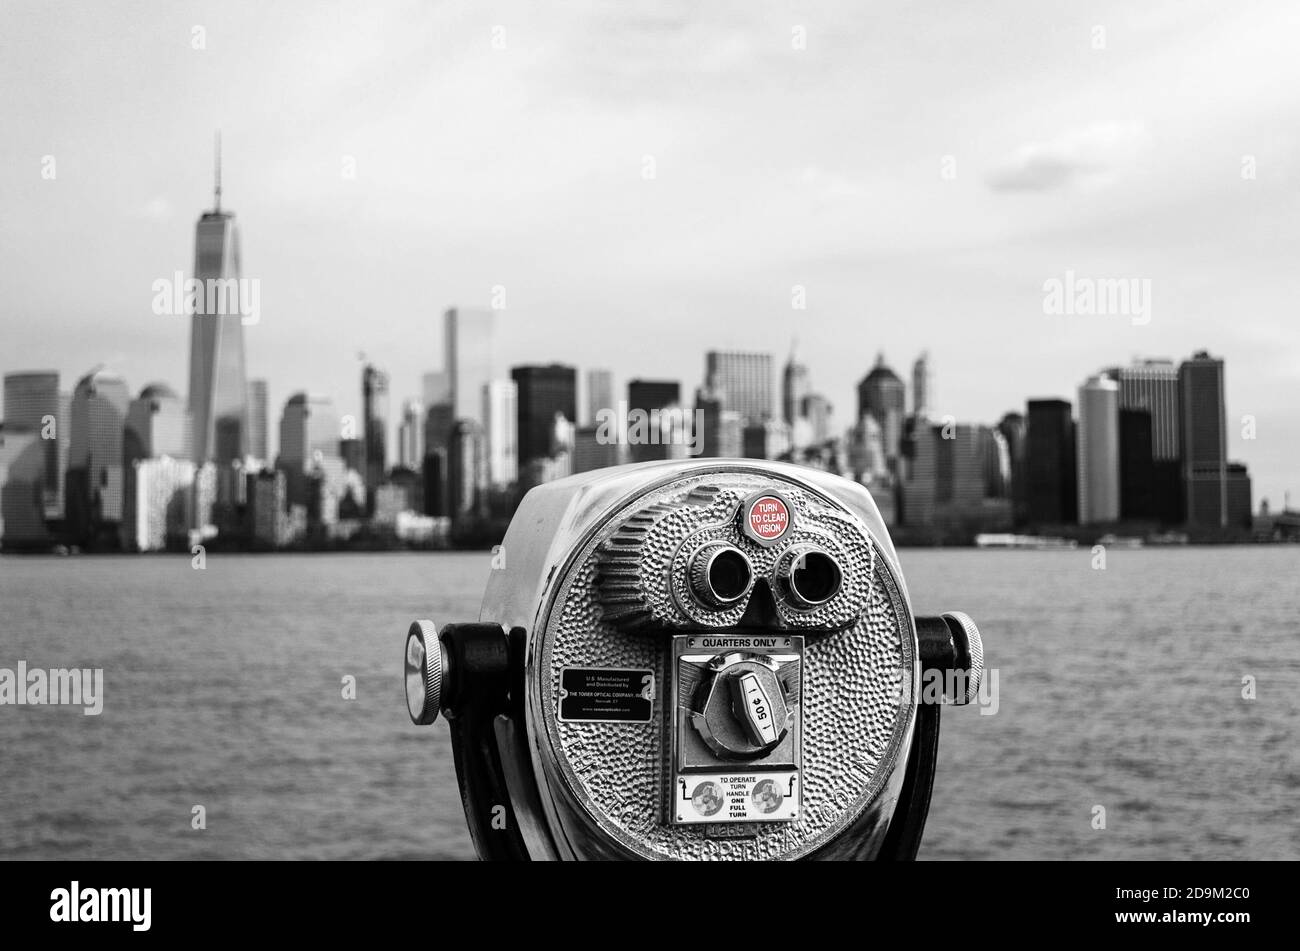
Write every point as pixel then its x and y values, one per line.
pixel 920 168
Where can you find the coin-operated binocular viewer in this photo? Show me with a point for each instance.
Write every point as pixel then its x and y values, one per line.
pixel 688 660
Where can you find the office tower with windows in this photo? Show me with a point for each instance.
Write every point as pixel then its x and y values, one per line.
pixel 654 434
pixel 724 429
pixel 157 427
pixel 769 439
pixel 410 436
pixel 1151 387
pixel 467 471
pixel 159 498
pixel 257 420
pixel 501 432
pixel 795 388
pixel 95 475
pixel 1050 477
pixel 310 445
pixel 744 380
pixel 541 393
pixel 866 452
pixel 33 404
pixel 1205 439
pixel 22 477
pixel 435 387
pixel 600 395
pixel 157 424
pixel 946 483
pixel 1136 469
pixel 374 404
pixel 817 410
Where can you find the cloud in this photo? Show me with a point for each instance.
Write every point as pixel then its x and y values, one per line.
pixel 155 209
pixel 829 185
pixel 1094 152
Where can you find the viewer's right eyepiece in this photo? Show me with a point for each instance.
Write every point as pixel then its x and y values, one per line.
pixel 809 576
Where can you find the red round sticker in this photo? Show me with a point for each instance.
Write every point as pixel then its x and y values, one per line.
pixel 768 517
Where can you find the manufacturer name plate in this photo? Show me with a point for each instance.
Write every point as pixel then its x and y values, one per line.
pixel 606 695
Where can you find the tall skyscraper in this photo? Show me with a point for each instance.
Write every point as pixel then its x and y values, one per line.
pixel 795 388
pixel 744 381
pixel 257 420
pixel 882 395
pixel 921 394
pixel 34 404
pixel 374 403
pixel 95 473
pixel 218 387
pixel 1050 476
pixel 600 394
pixel 501 432
pixel 1098 450
pixel 542 391
pixel 1205 439
pixel 469 351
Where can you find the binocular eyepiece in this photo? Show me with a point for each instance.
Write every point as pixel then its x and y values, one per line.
pixel 690 660
pixel 721 574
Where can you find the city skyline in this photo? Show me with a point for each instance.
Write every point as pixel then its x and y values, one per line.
pixel 1092 169
pixel 936 474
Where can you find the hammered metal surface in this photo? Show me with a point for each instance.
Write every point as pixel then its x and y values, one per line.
pixel 645 562
pixel 858 659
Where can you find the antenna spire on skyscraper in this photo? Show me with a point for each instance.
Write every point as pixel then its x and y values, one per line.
pixel 218 188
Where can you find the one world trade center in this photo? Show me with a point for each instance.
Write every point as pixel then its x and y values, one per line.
pixel 218 387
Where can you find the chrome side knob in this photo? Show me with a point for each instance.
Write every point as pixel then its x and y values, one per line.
pixel 952 658
pixel 425 662
pixel 966 638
